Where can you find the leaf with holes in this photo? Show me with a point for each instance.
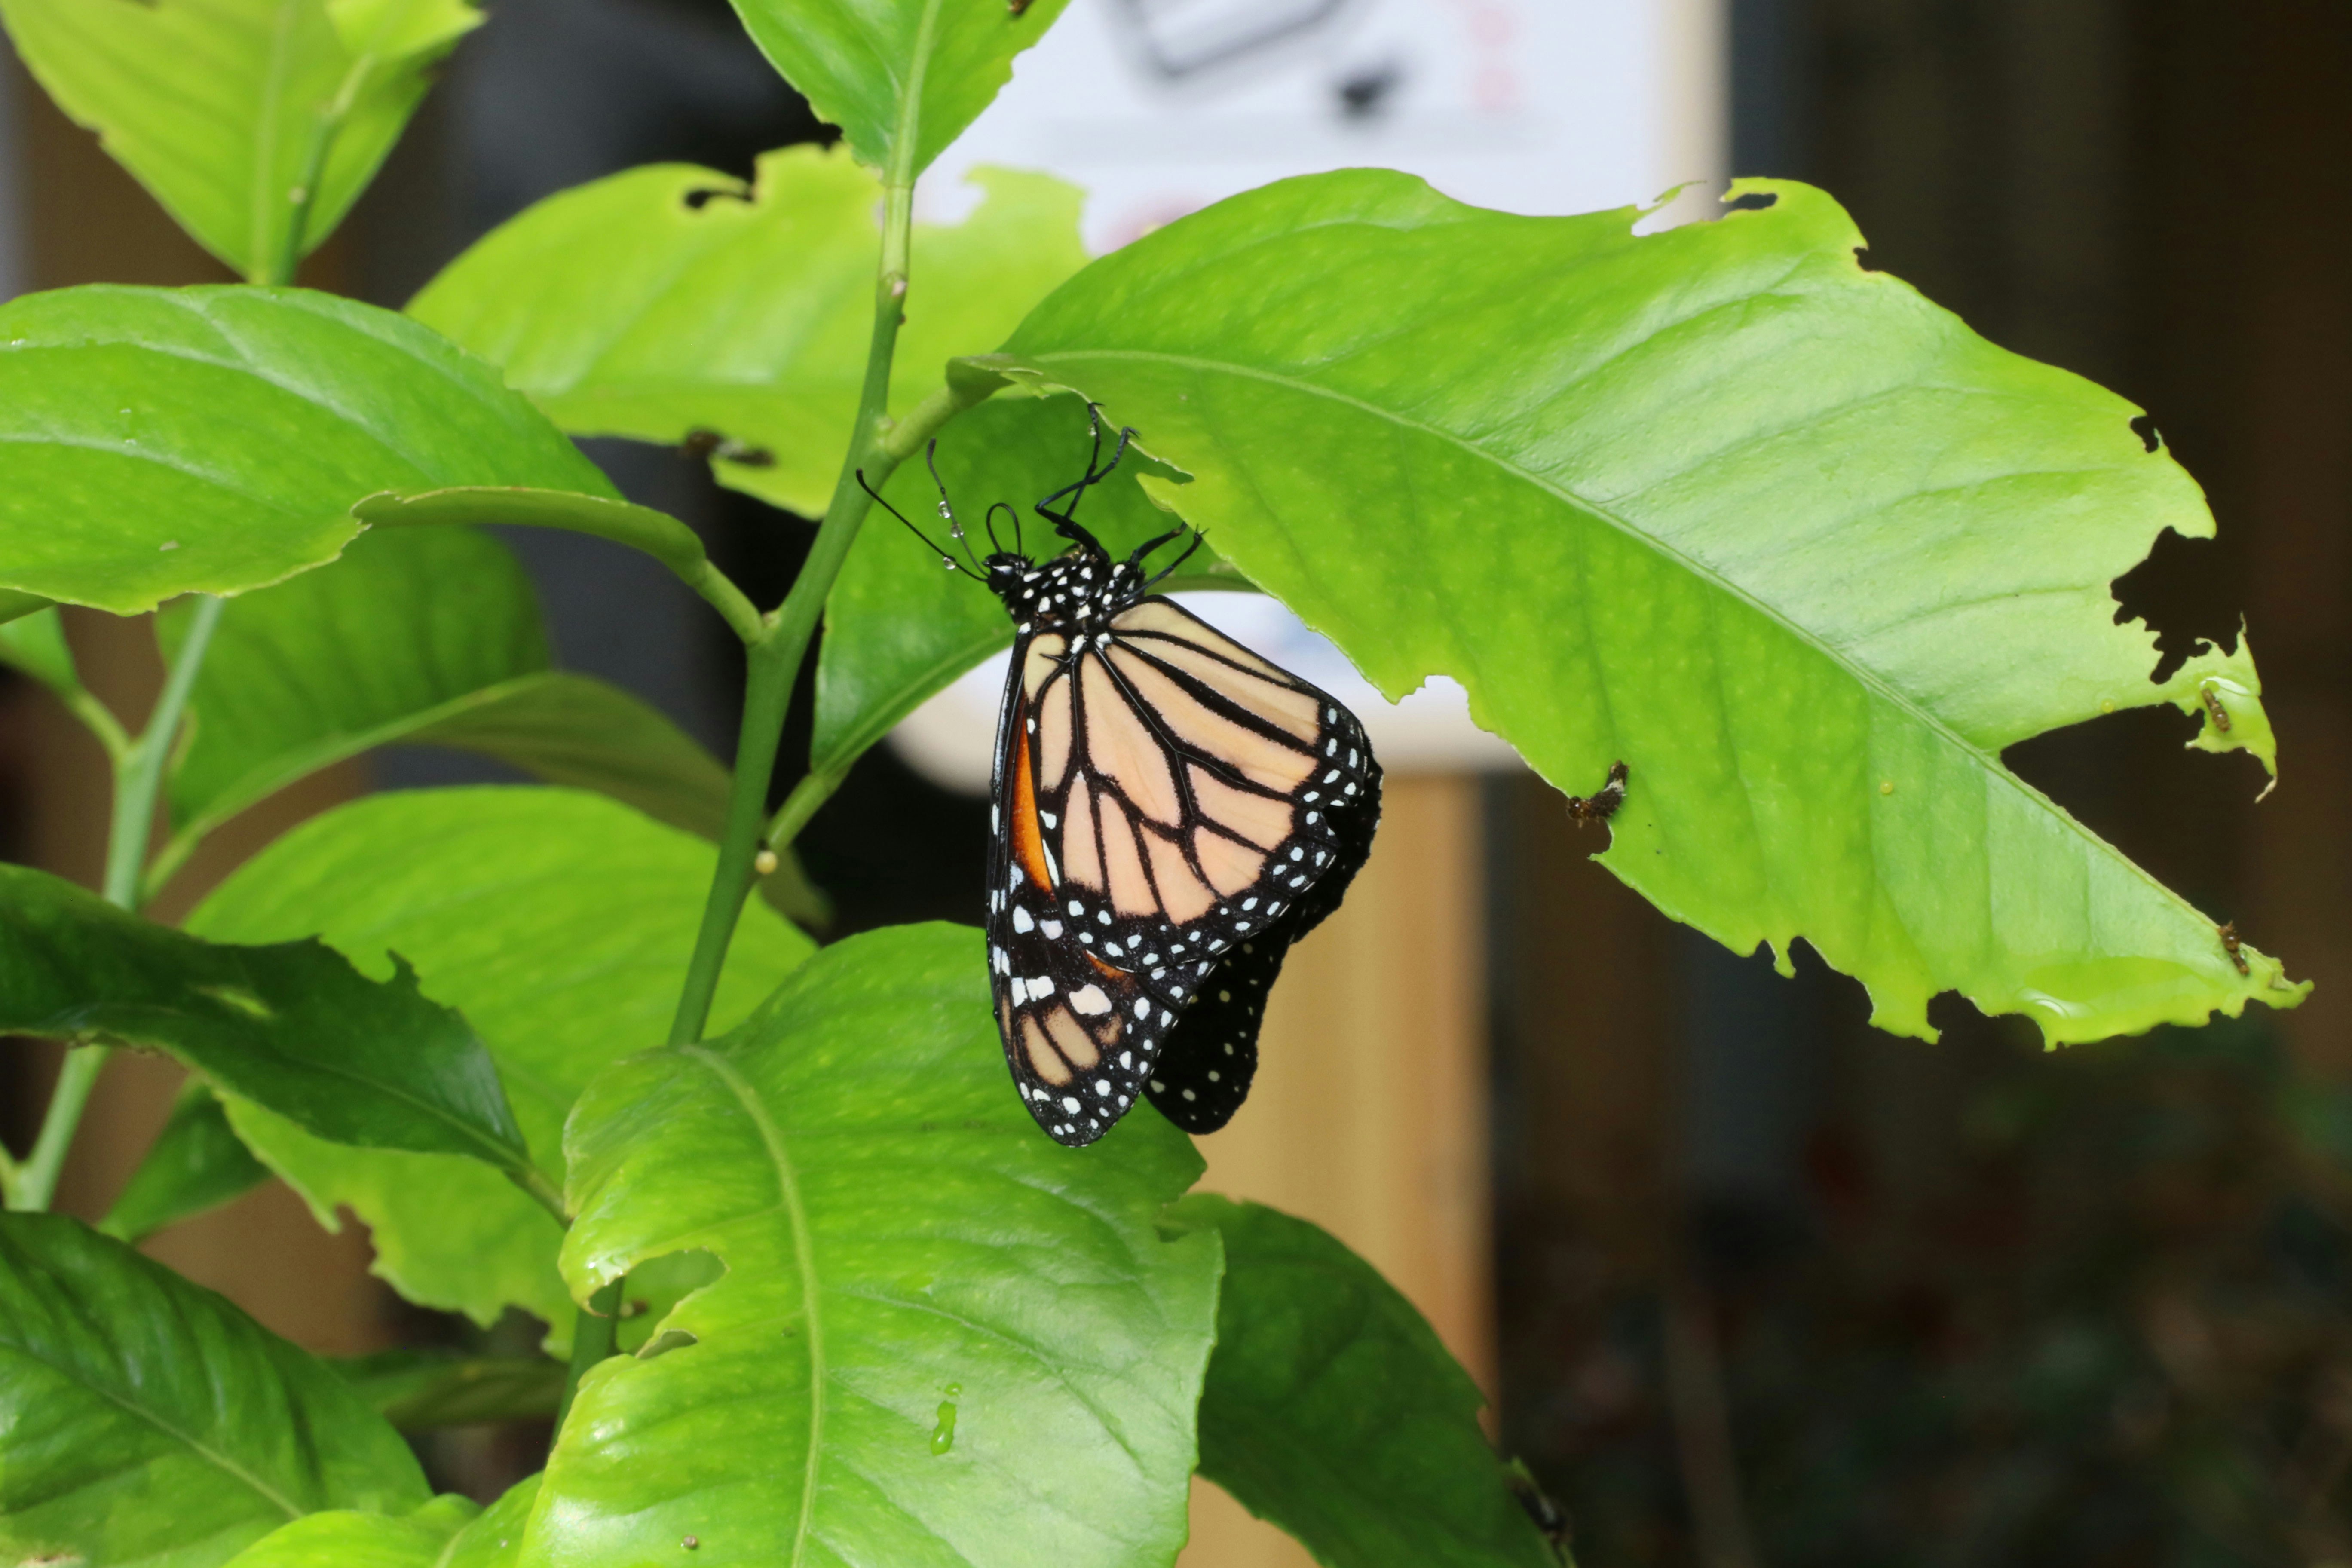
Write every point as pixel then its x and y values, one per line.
pixel 163 441
pixel 922 1295
pixel 1332 1410
pixel 145 1421
pixel 1783 536
pixel 560 923
pixel 670 300
pixel 293 1027
pixel 243 116
pixel 901 78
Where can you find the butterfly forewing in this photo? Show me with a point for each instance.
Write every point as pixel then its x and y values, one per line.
pixel 1163 795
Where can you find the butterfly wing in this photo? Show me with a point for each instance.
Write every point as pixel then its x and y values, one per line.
pixel 1164 797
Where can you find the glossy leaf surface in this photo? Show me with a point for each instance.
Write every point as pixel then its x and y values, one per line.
pixel 293 1027
pixel 195 1163
pixel 924 1298
pixel 1332 1410
pixel 1772 528
pixel 163 441
pixel 252 86
pixel 901 78
pixel 560 923
pixel 670 300
pixel 145 1421
pixel 347 1539
pixel 899 626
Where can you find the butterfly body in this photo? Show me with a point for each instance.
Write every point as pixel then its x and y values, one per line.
pixel 1169 812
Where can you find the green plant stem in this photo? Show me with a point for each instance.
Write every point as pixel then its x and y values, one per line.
pixel 876 446
pixel 593 1334
pixel 807 796
pixel 138 777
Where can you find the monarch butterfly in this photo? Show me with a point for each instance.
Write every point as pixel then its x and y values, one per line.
pixel 1170 811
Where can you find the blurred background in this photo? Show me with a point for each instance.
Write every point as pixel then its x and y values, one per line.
pixel 1746 1283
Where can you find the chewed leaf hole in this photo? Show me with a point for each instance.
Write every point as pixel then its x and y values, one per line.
pixel 1862 260
pixel 655 1286
pixel 1752 202
pixel 703 196
pixel 2185 594
pixel 2144 427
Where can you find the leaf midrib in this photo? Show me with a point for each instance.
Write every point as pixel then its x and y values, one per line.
pixel 771 1138
pixel 218 1460
pixel 1870 680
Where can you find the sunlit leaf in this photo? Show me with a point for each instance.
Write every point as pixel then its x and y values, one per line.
pixel 219 106
pixel 162 441
pixel 346 1539
pixel 901 78
pixel 560 923
pixel 671 299
pixel 1771 527
pixel 924 1296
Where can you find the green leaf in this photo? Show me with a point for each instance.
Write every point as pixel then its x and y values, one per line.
pixel 671 299
pixel 13 606
pixel 219 106
pixel 405 626
pixel 899 627
pixel 1332 1410
pixel 293 1027
pixel 901 78
pixel 194 1164
pixel 343 1539
pixel 560 923
pixel 156 442
pixel 145 1421
pixel 495 1540
pixel 1774 530
pixel 941 1339
pixel 34 643
pixel 419 1391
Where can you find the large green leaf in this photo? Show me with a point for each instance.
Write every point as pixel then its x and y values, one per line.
pixel 561 923
pixel 1783 535
pixel 941 1339
pixel 145 1421
pixel 898 627
pixel 195 1163
pixel 293 1027
pixel 347 1539
pixel 155 442
pixel 671 299
pixel 218 106
pixel 901 78
pixel 1332 1410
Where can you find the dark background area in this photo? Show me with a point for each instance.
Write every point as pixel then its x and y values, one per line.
pixel 1773 1289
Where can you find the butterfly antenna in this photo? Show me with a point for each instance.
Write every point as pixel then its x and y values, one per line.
pixel 987 520
pixel 1097 472
pixel 946 560
pixel 947 509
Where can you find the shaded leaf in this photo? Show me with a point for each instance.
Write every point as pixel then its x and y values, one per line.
pixel 156 442
pixel 898 627
pixel 901 78
pixel 670 300
pixel 252 84
pixel 941 1340
pixel 561 923
pixel 417 1391
pixel 1774 530
pixel 293 1027
pixel 194 1164
pixel 1332 1410
pixel 36 644
pixel 145 1420
pixel 344 1539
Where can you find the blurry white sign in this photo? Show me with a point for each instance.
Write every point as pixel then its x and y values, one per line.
pixel 1159 108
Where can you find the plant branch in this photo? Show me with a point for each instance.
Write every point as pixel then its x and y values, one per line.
pixel 811 792
pixel 138 778
pixel 593 1334
pixel 876 446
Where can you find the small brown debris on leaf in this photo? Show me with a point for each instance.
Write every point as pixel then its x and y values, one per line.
pixel 2213 709
pixel 2228 932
